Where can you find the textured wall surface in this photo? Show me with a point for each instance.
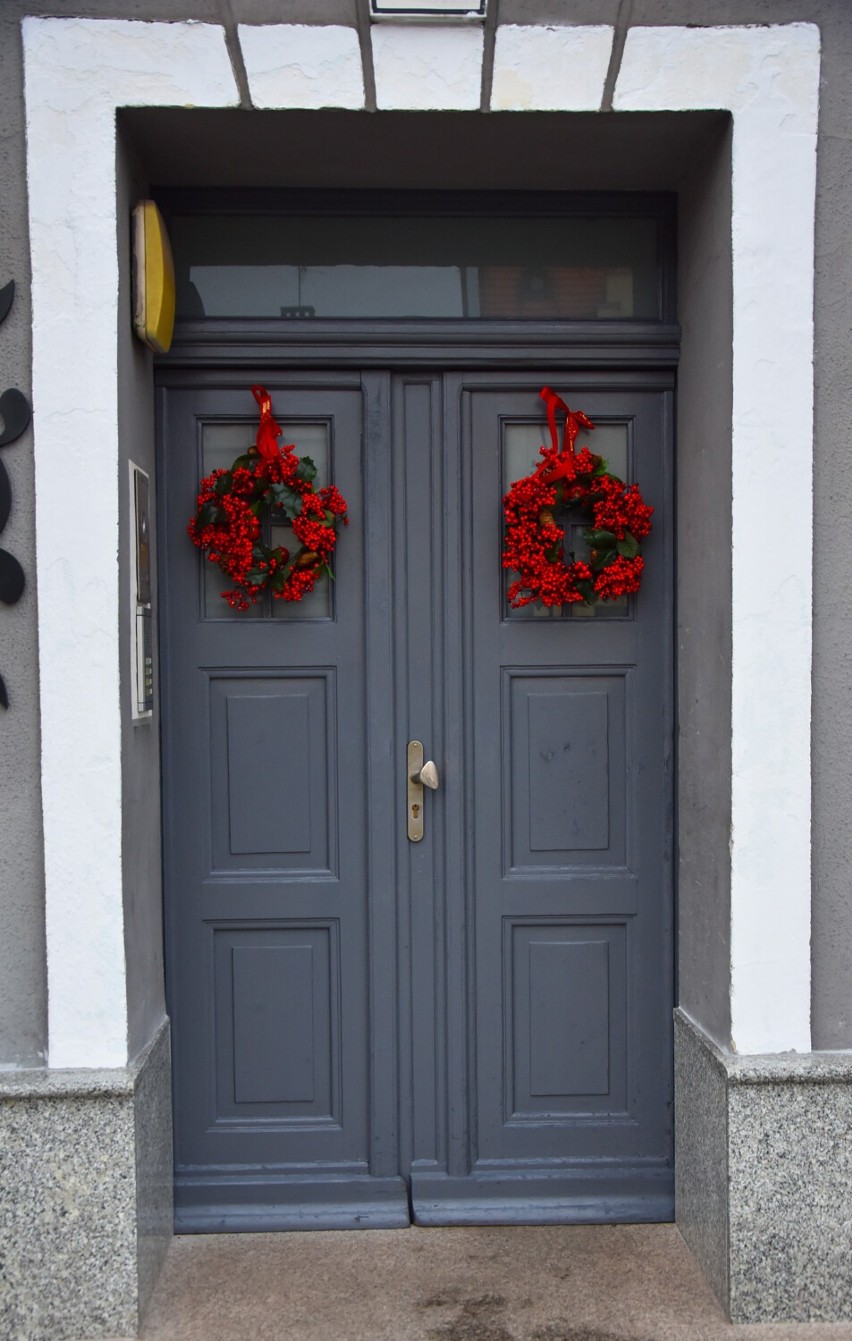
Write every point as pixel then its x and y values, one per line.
pixel 85 1197
pixel 790 1170
pixel 154 1162
pixel 71 179
pixel 141 862
pixel 704 591
pixel 786 1188
pixel 832 735
pixel 22 995
pixel 764 1170
pixel 769 79
pixel 701 1148
pixel 23 992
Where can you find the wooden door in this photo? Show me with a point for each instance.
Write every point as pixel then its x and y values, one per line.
pixel 471 1028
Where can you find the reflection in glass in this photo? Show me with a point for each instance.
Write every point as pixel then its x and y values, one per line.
pixel 398 266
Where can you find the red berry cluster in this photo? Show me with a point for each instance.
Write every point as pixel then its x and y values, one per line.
pixel 616 518
pixel 228 524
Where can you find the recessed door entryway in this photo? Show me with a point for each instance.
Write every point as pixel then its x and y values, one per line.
pixel 471 1028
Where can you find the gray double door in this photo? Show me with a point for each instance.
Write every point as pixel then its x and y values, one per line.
pixel 474 1027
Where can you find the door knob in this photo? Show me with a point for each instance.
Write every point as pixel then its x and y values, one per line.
pixel 428 775
pixel 420 775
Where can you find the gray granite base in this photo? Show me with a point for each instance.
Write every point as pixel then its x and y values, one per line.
pixel 85 1196
pixel 764 1177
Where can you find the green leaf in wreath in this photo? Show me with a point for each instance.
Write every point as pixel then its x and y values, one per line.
pixel 291 504
pixel 286 499
pixel 587 591
pixel 223 484
pixel 208 514
pixel 242 462
pixel 306 470
pixel 599 539
pixel 628 548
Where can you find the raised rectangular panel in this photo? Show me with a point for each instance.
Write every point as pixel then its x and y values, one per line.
pixel 567 1026
pixel 564 775
pixel 272 769
pixel 568 756
pixel 273 1024
pixel 264 732
pixel 277 1020
pixel 568 995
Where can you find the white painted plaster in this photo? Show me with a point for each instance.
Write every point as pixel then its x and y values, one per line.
pixel 77 72
pixel 427 68
pixel 769 79
pixel 303 65
pixel 550 69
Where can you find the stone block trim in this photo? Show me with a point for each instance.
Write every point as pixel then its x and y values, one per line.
pixel 298 65
pixel 85 1196
pixel 764 1151
pixel 550 69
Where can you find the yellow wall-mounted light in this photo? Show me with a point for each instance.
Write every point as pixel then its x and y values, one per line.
pixel 153 278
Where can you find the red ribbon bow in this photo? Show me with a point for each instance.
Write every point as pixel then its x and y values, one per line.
pixel 574 421
pixel 268 431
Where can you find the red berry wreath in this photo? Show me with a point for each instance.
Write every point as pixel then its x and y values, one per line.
pixel 268 482
pixel 616 517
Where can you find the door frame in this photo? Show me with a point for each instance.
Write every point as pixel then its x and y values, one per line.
pixel 602 357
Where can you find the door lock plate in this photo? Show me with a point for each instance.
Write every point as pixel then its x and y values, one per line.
pixel 415 790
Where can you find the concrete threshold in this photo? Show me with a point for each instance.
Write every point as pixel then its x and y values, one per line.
pixel 549 1283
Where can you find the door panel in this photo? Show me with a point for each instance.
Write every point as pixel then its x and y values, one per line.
pixel 266 856
pixel 560 1105
pixel 480 1021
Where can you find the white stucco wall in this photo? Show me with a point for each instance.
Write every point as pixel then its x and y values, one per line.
pixel 77 73
pixel 769 79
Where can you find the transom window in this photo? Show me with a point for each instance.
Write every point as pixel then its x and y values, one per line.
pixel 530 257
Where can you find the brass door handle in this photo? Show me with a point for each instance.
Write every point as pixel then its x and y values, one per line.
pixel 420 775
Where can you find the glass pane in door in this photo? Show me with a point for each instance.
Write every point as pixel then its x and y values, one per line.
pixel 521 445
pixel 221 444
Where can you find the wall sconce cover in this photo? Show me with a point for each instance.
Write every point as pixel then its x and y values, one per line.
pixel 153 278
pixel 428 9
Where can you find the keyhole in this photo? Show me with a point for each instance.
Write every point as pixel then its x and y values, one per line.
pixel 415 811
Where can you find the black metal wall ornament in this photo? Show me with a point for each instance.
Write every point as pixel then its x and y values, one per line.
pixel 15 416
